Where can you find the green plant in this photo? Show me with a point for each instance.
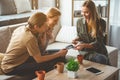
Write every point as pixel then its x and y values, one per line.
pixel 72 65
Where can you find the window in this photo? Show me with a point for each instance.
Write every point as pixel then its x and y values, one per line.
pixel 44 4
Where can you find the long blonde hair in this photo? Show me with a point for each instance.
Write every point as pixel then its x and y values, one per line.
pixel 38 19
pixel 53 12
pixel 93 17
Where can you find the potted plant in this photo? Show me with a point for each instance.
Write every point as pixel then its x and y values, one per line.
pixel 72 67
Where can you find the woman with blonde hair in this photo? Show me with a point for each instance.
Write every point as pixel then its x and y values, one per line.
pixel 53 16
pixel 90 30
pixel 23 56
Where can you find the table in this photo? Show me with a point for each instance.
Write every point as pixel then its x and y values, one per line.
pixel 110 73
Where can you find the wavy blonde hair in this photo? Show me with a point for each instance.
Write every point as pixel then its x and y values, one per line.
pixel 93 16
pixel 53 12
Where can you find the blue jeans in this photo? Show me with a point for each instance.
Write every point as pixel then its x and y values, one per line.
pixel 98 58
pixel 30 66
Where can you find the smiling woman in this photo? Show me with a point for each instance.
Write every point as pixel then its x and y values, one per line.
pixel 90 30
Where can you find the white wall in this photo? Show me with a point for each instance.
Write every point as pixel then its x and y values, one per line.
pixel 66 10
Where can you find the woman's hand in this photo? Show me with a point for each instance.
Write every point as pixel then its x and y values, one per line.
pixel 49 33
pixel 83 45
pixel 75 41
pixel 79 46
pixel 63 52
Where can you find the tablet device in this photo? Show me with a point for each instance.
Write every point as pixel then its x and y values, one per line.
pixel 52 50
pixel 94 70
pixel 69 47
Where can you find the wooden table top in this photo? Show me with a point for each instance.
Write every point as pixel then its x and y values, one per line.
pixel 83 74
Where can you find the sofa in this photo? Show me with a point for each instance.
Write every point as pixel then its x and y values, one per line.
pixel 16 18
pixel 62 37
pixel 12 13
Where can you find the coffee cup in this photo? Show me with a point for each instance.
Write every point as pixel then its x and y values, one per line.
pixel 80 58
pixel 40 74
pixel 59 67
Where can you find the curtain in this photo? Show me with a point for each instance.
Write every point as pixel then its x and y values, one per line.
pixel 114 29
pixel 114 12
pixel 46 4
